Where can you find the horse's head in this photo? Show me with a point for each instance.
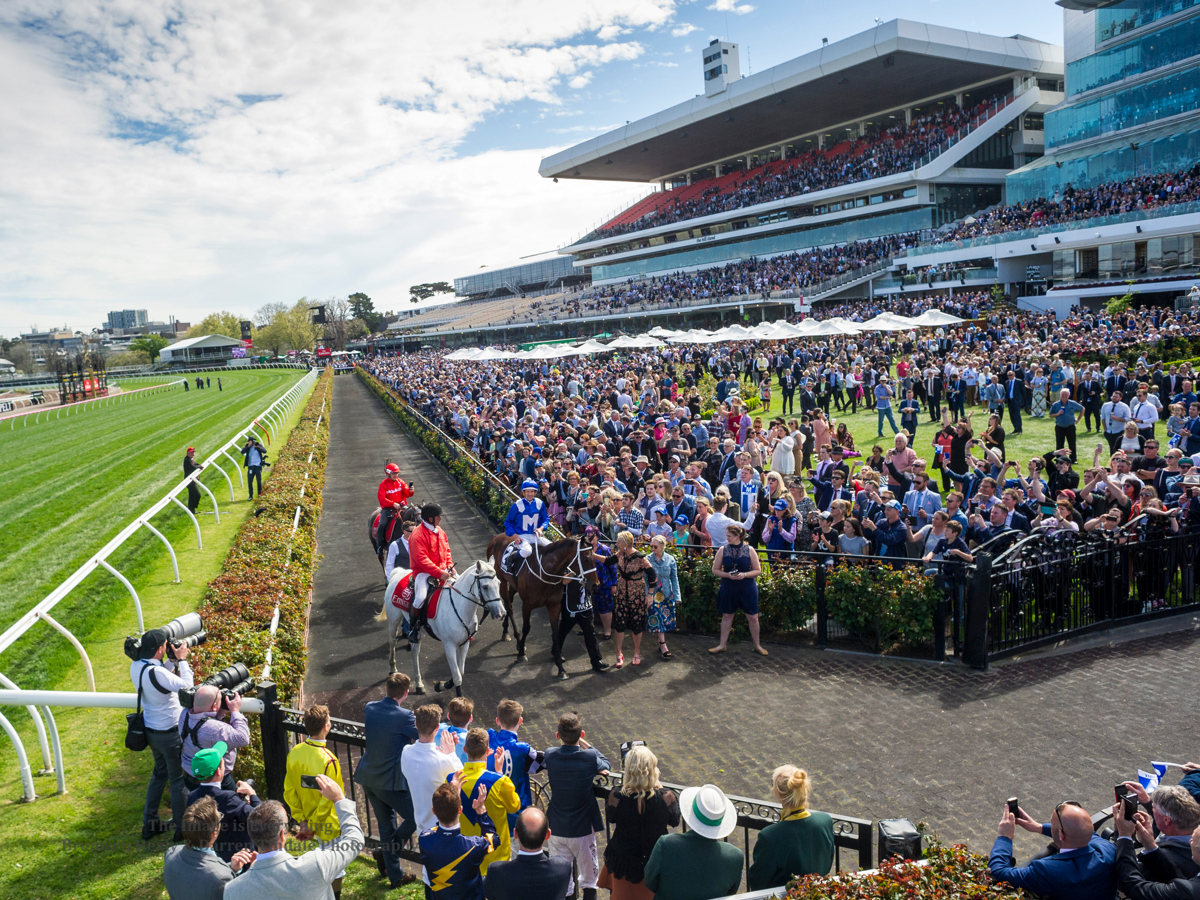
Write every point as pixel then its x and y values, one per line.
pixel 588 560
pixel 489 588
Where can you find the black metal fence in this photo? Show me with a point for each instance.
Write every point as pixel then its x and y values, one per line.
pixel 1048 587
pixel 283 729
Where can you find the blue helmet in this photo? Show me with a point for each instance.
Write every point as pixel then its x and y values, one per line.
pixel 529 485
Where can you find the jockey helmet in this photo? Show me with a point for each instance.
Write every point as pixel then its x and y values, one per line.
pixel 392 469
pixel 430 511
pixel 529 485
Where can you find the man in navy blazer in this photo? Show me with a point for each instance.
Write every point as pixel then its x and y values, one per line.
pixel 532 875
pixel 209 764
pixel 1083 868
pixel 390 728
pixel 1134 884
pixel 573 812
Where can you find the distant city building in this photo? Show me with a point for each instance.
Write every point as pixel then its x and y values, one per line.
pixel 127 318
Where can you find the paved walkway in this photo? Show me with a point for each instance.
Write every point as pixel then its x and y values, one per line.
pixel 937 744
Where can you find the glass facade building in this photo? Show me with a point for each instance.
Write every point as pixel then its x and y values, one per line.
pixel 1133 99
pixel 540 275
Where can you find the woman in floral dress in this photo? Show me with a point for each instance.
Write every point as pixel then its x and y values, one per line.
pixel 660 617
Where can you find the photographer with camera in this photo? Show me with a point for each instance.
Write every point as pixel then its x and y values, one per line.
pixel 202 727
pixel 158 673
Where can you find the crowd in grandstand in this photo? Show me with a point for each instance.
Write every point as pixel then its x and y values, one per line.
pixel 886 152
pixel 1109 199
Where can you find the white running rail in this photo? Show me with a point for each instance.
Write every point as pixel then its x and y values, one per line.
pixel 272 420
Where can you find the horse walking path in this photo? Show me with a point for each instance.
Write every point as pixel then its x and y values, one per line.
pixel 880 738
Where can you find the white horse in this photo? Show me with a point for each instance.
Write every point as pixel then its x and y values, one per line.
pixel 456 622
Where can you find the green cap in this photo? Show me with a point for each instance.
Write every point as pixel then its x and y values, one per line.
pixel 207 761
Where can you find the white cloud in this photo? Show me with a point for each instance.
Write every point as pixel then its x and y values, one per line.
pixel 187 156
pixel 731 6
pixel 684 28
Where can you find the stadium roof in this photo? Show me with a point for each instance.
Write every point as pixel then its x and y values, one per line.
pixel 894 64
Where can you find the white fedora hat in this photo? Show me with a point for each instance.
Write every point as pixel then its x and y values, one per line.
pixel 708 811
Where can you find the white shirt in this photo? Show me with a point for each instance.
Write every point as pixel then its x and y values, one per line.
pixel 425 767
pixel 161 711
pixel 1144 412
pixel 716 525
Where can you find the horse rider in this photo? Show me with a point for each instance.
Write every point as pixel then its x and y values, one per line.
pixel 393 496
pixel 429 554
pixel 526 520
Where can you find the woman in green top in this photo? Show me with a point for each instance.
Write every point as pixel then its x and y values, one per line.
pixel 800 843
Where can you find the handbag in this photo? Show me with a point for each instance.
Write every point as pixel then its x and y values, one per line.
pixel 135 722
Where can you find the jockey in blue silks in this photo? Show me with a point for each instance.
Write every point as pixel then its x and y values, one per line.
pixel 526 520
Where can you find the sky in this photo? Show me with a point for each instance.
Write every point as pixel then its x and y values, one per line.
pixel 189 156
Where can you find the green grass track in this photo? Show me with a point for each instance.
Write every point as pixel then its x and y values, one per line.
pixel 68 485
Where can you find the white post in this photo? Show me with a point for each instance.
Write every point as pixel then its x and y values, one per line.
pixel 22 759
pixel 170 549
pixel 87 663
pixel 228 480
pixel 137 602
pixel 41 729
pixel 212 497
pixel 238 464
pixel 191 515
pixel 59 775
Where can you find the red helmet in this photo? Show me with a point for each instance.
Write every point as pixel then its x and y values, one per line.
pixel 392 469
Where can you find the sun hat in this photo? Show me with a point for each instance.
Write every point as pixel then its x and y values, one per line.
pixel 708 811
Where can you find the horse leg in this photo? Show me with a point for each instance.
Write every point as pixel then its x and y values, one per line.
pixel 418 686
pixel 525 611
pixel 506 594
pixel 456 657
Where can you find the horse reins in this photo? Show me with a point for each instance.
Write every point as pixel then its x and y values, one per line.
pixel 568 575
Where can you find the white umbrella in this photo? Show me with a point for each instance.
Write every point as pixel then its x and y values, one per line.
pixel 462 353
pixel 622 342
pixel 832 326
pixel 887 322
pixel 591 346
pixel 488 353
pixel 659 332
pixel 646 341
pixel 932 318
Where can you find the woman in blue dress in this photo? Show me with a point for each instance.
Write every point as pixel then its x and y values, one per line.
pixel 602 599
pixel 737 565
pixel 660 617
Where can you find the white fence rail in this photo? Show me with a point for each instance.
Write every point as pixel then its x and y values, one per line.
pixel 271 419
pixel 79 406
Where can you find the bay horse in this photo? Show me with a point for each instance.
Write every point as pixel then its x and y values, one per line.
pixel 540 581
pixel 455 624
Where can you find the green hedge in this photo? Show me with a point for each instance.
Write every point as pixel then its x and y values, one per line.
pixel 259 572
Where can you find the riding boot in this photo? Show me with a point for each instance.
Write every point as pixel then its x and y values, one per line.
pixel 417 620
pixel 589 894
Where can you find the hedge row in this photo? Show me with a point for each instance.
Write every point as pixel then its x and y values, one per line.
pixel 240 602
pixel 879 605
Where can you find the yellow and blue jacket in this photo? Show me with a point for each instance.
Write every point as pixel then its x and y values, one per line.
pixel 452 860
pixel 502 800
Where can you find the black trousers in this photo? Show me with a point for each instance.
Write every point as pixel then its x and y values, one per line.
pixel 789 401
pixel 1065 435
pixel 566 622
pixel 1090 410
pixel 193 497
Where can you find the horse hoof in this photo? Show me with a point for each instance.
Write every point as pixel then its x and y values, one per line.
pixel 419 690
pixel 505 637
pixel 457 691
pixel 520 657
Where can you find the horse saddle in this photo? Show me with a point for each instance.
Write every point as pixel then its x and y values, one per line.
pixel 402 596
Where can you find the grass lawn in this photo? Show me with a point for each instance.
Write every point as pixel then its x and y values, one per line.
pixel 1036 438
pixel 68 485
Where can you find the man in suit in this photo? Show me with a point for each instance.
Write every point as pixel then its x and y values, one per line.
pixel 1116 381
pixel 1134 885
pixel 921 502
pixel 808 400
pixel 389 729
pixel 1164 833
pixel 697 864
pixel 1082 869
pixel 787 384
pixel 275 873
pixel 209 766
pixel 532 875
pixel 933 394
pixel 1091 396
pixel 1014 392
pixel 993 394
pixel 680 505
pixel 574 815
pixel 191 871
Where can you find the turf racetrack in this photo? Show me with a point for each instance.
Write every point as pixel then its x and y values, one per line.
pixel 67 486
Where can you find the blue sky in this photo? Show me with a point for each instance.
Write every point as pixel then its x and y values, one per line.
pixel 186 156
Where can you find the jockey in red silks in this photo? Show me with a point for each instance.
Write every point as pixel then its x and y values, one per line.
pixel 393 496
pixel 429 557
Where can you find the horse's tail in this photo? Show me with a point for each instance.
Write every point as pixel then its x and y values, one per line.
pixel 382 617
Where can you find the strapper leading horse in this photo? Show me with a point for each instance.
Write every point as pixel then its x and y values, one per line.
pixel 540 583
pixel 455 622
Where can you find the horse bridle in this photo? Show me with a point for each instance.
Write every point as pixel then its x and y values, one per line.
pixel 478 601
pixel 568 575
